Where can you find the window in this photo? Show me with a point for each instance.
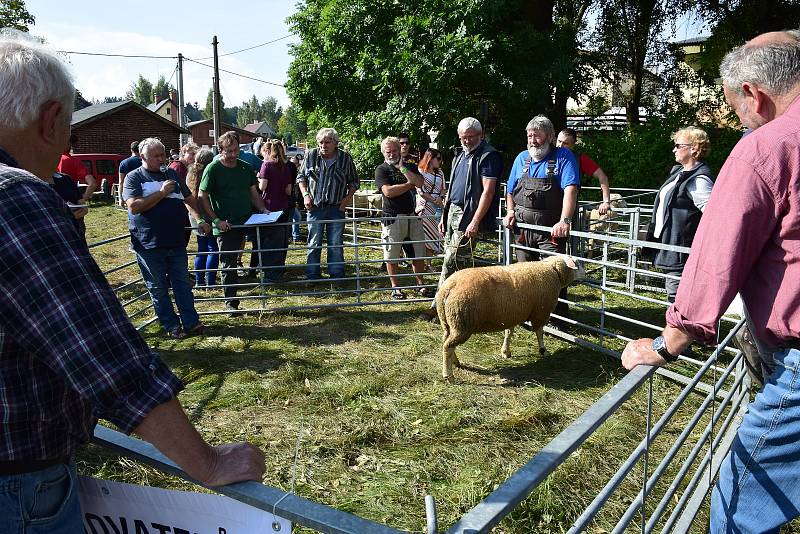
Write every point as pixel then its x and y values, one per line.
pixel 106 167
pixel 169 111
pixel 88 164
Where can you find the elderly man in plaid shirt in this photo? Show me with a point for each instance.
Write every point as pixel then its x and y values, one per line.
pixel 68 353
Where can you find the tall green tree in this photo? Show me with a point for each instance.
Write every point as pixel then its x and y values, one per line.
pixel 372 68
pixel 162 89
pixel 249 112
pixel 141 91
pixel 291 127
pixel 631 39
pixel 208 111
pixel 13 14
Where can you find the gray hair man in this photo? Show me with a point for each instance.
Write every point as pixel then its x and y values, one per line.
pixel 472 199
pixel 748 242
pixel 397 181
pixel 155 197
pixel 327 181
pixel 68 352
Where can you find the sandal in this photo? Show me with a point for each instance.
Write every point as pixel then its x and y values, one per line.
pixel 397 294
pixel 426 292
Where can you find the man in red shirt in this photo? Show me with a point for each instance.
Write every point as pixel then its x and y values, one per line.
pixel 748 241
pixel 568 138
pixel 75 169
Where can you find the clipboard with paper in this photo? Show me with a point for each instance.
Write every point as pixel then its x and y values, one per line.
pixel 263 218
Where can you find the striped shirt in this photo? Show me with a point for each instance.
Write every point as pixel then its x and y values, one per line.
pixel 327 182
pixel 68 352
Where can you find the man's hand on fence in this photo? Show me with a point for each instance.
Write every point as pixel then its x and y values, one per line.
pixel 639 352
pixel 236 462
pixel 509 220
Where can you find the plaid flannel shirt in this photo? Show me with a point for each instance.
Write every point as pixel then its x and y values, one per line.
pixel 68 352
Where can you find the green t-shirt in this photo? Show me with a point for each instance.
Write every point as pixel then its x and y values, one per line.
pixel 228 190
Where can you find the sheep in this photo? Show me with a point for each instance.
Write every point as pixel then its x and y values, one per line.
pixel 368 203
pixel 604 224
pixel 500 297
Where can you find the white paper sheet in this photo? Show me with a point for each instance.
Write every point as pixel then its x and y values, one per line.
pixel 264 218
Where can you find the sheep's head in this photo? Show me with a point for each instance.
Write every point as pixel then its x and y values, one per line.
pixel 575 269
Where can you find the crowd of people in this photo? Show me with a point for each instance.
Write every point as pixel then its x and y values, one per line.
pixel 58 377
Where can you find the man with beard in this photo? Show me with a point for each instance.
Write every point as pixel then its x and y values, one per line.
pixel 542 190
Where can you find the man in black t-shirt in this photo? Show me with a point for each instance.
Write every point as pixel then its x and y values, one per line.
pixel 396 181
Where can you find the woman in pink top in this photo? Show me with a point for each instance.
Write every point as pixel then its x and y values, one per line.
pixel 275 184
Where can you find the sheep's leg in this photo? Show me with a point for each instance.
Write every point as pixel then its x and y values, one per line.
pixel 449 358
pixel 540 338
pixel 505 351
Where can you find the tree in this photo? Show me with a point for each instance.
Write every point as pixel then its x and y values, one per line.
pixel 270 112
pixel 371 68
pixel 249 112
pixel 291 127
pixel 13 14
pixel 631 44
pixel 162 89
pixel 192 112
pixel 208 111
pixel 80 102
pixel 141 91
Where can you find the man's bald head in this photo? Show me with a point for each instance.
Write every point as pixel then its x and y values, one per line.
pixel 770 61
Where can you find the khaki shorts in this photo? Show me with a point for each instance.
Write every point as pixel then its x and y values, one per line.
pixel 401 228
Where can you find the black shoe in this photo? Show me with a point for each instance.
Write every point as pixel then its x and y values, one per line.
pixel 233 309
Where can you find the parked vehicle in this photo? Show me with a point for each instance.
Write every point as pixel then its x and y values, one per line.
pixel 104 167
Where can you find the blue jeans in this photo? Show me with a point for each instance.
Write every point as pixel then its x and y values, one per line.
pixel 162 267
pixel 207 262
pixel 296 227
pixel 334 232
pixel 759 484
pixel 41 502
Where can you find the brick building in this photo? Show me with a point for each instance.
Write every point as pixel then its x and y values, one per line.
pixel 110 128
pixel 202 132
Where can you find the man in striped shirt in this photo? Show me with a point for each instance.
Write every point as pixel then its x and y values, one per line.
pixel 328 181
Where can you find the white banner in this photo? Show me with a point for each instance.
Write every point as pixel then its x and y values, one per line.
pixel 117 508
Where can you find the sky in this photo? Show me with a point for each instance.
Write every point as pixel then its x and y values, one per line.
pixel 145 27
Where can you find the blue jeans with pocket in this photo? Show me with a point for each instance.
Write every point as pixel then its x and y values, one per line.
pixel 758 489
pixel 162 268
pixel 41 502
pixel 335 236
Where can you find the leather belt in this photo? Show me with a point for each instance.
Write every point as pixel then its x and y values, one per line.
pixel 19 467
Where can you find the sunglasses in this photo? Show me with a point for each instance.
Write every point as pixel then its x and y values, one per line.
pixel 403 142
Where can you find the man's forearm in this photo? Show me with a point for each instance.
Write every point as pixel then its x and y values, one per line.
pixel 676 339
pixel 205 203
pixel 142 204
pixel 569 202
pixel 168 428
pixel 604 184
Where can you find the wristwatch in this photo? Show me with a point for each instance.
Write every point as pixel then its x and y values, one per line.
pixel 660 346
pixel 567 220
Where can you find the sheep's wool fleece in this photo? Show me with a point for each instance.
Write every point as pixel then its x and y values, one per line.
pixel 488 299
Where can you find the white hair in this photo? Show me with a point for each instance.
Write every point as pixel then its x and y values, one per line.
pixel 30 76
pixel 469 123
pixel 327 133
pixel 774 66
pixel 391 141
pixel 147 144
pixel 543 124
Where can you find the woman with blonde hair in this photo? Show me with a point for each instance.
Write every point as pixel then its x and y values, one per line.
pixel 680 202
pixel 207 259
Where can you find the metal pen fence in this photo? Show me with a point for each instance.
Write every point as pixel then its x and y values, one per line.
pixel 675 467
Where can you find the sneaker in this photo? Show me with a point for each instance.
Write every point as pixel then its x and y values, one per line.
pixel 177 333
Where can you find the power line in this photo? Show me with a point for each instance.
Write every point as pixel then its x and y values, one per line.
pixel 249 47
pixel 235 73
pixel 115 55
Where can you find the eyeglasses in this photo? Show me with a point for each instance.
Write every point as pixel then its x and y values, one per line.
pixel 682 145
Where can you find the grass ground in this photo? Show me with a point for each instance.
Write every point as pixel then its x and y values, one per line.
pixel 380 429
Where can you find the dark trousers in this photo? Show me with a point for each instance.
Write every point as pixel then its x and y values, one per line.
pixel 268 238
pixel 230 243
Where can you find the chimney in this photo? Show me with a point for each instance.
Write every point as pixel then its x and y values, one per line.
pixel 172 95
pixel 155 98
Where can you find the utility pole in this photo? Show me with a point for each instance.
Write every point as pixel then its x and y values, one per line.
pixel 216 99
pixel 181 105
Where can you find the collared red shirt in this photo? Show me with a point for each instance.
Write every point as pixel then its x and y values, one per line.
pixel 68 352
pixel 749 239
pixel 72 167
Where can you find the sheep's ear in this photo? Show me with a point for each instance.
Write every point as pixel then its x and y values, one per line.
pixel 570 262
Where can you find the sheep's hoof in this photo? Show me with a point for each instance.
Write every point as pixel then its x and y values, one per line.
pixel 457 363
pixel 449 379
pixel 542 351
pixel 505 354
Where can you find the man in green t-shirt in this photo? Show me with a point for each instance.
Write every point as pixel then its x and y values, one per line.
pixel 229 194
